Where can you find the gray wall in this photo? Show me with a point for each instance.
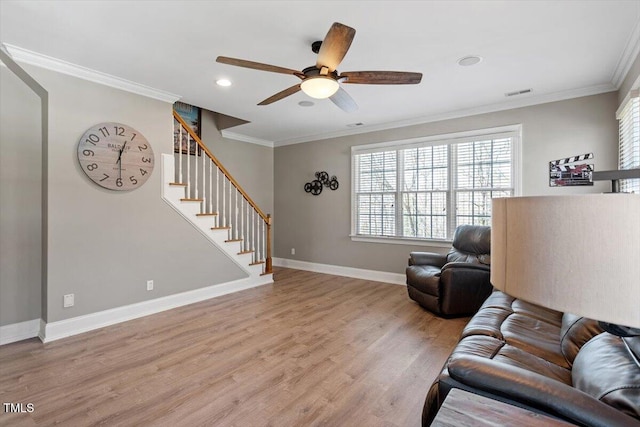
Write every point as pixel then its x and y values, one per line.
pixel 318 227
pixel 102 245
pixel 20 200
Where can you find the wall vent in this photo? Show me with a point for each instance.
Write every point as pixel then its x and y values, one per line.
pixel 518 92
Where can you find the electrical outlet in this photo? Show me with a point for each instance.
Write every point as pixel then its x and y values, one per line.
pixel 68 300
pixel 149 285
pixel 293 251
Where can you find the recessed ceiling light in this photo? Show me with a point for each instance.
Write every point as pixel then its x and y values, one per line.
pixel 469 60
pixel 223 82
pixel 306 104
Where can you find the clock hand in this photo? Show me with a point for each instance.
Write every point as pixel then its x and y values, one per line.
pixel 120 159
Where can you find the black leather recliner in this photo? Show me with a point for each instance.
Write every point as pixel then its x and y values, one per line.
pixel 455 284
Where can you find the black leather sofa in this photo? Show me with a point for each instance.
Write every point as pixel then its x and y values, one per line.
pixel 558 364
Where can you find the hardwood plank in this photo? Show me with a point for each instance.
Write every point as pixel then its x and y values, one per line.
pixel 310 349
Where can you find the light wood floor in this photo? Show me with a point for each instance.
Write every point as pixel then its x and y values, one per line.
pixel 311 349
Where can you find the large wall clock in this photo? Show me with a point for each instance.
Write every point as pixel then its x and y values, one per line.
pixel 115 156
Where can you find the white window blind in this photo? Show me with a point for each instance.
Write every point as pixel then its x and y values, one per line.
pixel 629 154
pixel 483 172
pixel 425 189
pixel 376 193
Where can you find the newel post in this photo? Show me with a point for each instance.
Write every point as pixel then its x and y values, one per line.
pixel 268 265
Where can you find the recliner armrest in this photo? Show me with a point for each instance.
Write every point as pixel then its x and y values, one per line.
pixel 427 258
pixel 537 391
pixel 466 265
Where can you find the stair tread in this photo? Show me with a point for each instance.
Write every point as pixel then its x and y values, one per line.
pixel 245 252
pixel 207 214
pixel 221 228
pixel 233 240
pixel 191 200
pixel 181 184
pixel 257 263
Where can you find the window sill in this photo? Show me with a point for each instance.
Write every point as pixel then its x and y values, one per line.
pixel 401 241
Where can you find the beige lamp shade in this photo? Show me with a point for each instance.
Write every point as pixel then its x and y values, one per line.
pixel 578 254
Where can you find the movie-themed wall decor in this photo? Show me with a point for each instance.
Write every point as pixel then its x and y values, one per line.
pixel 571 171
pixel 322 180
pixel 193 117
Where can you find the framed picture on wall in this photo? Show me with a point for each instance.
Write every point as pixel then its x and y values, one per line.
pixel 192 116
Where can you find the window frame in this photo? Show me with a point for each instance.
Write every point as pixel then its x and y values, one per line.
pixel 512 131
pixel 628 116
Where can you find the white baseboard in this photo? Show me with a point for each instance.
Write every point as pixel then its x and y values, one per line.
pixel 19 331
pixel 358 273
pixel 77 325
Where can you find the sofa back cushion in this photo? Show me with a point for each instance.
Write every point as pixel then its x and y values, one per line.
pixel 605 369
pixel 574 333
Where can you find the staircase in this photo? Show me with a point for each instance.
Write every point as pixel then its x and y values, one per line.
pixel 195 184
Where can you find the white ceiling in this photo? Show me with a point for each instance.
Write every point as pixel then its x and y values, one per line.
pixel 560 49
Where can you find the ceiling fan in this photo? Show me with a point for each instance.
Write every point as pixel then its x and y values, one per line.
pixel 322 80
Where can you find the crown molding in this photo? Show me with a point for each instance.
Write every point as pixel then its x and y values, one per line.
pixel 526 101
pixel 629 55
pixel 43 61
pixel 245 138
pixel 630 52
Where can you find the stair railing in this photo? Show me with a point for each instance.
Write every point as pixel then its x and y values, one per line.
pixel 220 196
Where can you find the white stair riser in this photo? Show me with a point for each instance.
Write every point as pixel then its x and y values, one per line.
pixel 190 208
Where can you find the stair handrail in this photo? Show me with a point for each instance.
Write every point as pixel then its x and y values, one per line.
pixel 267 218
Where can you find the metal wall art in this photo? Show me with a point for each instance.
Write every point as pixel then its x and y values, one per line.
pixel 322 180
pixel 571 171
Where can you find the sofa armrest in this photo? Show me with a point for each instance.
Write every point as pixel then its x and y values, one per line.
pixel 427 258
pixel 536 391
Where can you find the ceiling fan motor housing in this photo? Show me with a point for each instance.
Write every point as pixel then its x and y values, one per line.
pixel 314 71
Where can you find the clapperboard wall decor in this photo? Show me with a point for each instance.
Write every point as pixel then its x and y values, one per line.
pixel 571 171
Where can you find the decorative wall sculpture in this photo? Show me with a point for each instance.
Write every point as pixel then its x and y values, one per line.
pixel 322 180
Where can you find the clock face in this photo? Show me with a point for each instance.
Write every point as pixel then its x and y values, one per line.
pixel 115 156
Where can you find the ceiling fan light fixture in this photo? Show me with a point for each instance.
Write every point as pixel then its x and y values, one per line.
pixel 319 87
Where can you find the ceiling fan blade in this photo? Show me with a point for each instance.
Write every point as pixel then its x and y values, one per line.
pixel 283 94
pixel 258 66
pixel 343 100
pixel 335 46
pixel 382 77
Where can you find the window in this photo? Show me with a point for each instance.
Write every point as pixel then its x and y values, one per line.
pixel 629 157
pixel 423 189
